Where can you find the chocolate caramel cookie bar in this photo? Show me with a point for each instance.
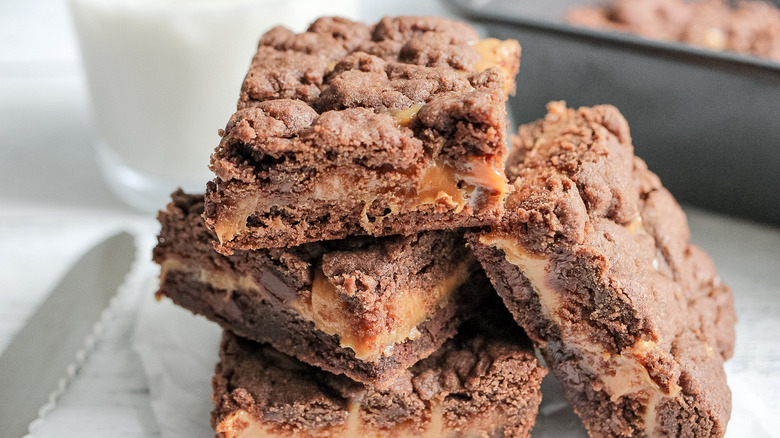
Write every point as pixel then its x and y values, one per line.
pixel 367 308
pixel 479 384
pixel 593 259
pixel 350 129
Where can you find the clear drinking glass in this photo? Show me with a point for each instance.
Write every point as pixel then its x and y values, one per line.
pixel 164 77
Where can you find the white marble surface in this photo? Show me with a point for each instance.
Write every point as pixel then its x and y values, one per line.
pixel 54 206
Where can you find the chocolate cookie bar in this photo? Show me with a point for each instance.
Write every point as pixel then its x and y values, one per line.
pixel 368 308
pixel 593 259
pixel 348 129
pixel 480 384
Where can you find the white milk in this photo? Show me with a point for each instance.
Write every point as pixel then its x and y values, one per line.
pixel 165 75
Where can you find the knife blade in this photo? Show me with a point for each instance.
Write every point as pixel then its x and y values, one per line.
pixel 53 341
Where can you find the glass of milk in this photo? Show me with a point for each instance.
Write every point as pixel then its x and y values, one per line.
pixel 164 76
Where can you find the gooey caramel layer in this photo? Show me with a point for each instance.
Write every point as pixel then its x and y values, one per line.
pixel 444 181
pixel 241 424
pixel 619 374
pixel 498 53
pixel 443 184
pixel 232 218
pixel 328 311
pixel 439 184
pixel 405 117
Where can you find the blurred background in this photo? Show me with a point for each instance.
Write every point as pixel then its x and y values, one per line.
pixel 704 117
pixel 707 122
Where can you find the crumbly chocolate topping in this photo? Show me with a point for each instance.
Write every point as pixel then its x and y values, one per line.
pixel 359 111
pixel 399 62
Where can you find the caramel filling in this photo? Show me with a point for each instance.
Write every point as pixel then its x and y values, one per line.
pixel 217 280
pixel 534 267
pixel 330 314
pixel 436 426
pixel 443 183
pixel 439 184
pixel 620 374
pixel 487 173
pixel 498 53
pixel 405 117
pixel 241 424
pixel 231 220
pixel 352 425
pixel 636 226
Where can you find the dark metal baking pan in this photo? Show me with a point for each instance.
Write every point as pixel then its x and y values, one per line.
pixel 708 123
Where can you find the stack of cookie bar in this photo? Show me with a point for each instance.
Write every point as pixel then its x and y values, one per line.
pixel 332 250
pixel 358 187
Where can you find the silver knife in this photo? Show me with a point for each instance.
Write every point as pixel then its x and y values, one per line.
pixel 52 343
